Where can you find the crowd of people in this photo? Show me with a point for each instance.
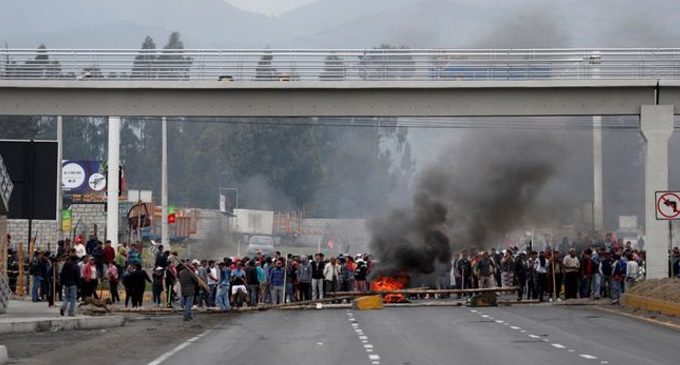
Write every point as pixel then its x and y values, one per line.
pixel 579 269
pixel 584 269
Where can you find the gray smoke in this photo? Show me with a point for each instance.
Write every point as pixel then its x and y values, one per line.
pixel 478 191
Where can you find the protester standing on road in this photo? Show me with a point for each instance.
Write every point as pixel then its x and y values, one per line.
pixel 222 298
pixel 304 276
pixel 331 273
pixel 138 280
pixel 253 282
pixel 277 278
pixel 507 269
pixel 112 278
pixel 571 266
pixel 484 269
pixel 360 274
pixel 317 277
pixel 188 283
pixel 70 277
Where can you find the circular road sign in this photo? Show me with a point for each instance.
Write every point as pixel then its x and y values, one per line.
pixel 668 205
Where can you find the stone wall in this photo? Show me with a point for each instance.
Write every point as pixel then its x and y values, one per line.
pixel 88 214
pixel 46 231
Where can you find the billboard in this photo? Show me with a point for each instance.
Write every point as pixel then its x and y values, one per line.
pixel 82 177
pixel 32 167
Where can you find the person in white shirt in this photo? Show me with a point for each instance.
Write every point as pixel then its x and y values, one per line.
pixel 80 248
pixel 571 266
pixel 213 279
pixel 632 271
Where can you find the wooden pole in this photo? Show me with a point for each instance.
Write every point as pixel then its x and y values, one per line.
pixel 54 282
pixel 21 281
pixel 285 279
pixel 424 291
pixel 200 281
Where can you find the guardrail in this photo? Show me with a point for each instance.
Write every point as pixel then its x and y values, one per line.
pixel 339 65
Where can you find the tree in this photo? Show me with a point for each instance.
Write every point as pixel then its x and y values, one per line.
pixel 40 67
pixel 143 66
pixel 171 63
pixel 333 69
pixel 381 64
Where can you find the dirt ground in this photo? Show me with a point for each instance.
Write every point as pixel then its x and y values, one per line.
pixel 660 289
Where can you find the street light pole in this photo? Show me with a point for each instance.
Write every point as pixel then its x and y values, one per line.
pixel 165 236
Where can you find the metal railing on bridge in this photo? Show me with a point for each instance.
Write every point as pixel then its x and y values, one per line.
pixel 339 65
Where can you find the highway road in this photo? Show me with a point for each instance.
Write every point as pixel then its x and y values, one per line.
pixel 404 336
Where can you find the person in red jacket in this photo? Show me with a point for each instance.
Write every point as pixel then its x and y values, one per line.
pixel 109 253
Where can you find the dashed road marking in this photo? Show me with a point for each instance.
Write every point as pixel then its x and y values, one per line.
pixel 557 345
pixel 534 336
pixel 586 356
pixel 159 360
pixel 515 328
pixel 374 357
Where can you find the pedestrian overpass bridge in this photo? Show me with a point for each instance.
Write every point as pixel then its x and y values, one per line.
pixel 359 83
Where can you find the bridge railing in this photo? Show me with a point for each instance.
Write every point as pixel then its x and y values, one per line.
pixel 339 65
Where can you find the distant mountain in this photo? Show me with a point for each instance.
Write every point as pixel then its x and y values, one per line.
pixel 125 23
pixel 343 23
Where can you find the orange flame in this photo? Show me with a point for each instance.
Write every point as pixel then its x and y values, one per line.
pixel 385 284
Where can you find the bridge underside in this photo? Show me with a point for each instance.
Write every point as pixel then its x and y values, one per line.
pixel 653 101
pixel 333 99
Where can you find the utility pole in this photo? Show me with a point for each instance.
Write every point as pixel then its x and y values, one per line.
pixel 112 183
pixel 165 236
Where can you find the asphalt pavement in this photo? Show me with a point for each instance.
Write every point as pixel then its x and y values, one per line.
pixel 525 334
pixel 457 335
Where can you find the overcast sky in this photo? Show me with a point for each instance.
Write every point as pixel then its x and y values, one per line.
pixel 268 7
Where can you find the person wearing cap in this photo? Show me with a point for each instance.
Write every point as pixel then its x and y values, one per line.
pixel 157 285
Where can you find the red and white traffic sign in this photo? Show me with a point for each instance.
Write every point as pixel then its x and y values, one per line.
pixel 668 205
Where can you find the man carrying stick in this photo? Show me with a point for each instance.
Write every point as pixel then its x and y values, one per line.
pixel 188 282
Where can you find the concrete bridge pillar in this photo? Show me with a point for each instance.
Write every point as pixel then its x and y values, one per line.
pixel 112 183
pixel 656 127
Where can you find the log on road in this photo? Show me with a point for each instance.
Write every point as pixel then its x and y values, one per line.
pixel 423 291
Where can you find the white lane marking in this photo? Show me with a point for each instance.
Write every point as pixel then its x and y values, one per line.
pixel 319 343
pixel 159 360
pixel 364 341
pixel 506 324
pixel 546 340
pixel 473 310
pixel 534 336
pixel 374 357
pixel 557 345
pixel 572 350
pixel 485 316
pixel 604 362
pixel 368 346
pixel 363 338
pixel 369 350
pixel 499 321
pixel 375 362
pixel 523 331
pixel 515 328
pixel 589 357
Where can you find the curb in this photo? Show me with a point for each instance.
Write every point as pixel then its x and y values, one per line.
pixel 59 324
pixel 652 305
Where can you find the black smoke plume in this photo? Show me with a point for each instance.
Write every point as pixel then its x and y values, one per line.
pixel 478 191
